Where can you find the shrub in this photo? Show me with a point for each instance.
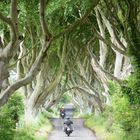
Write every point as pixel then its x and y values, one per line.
pixel 9 116
pixel 7 126
pixel 125 104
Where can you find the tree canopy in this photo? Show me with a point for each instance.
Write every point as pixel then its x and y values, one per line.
pixel 52 47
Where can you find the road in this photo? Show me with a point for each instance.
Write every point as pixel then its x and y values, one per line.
pixel 80 132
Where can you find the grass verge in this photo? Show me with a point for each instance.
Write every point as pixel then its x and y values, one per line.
pixel 34 131
pixel 98 125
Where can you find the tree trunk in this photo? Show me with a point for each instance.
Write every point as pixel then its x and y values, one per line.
pixel 4 74
pixel 127 67
pixel 103 47
pixel 30 113
pixel 118 65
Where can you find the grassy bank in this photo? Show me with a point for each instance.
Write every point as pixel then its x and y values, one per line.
pixel 99 125
pixel 34 131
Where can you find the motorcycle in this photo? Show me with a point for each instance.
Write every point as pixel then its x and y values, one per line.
pixel 68 130
pixel 62 115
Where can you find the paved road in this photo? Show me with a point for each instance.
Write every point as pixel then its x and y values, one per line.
pixel 80 133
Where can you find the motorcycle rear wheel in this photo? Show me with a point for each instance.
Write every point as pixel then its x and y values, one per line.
pixel 68 135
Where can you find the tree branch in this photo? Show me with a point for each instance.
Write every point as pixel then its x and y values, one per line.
pixel 109 43
pixel 4 96
pixel 5 19
pixel 10 49
pixel 14 32
pixel 42 20
pixel 109 75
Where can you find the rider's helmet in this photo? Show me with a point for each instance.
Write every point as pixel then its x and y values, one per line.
pixel 62 108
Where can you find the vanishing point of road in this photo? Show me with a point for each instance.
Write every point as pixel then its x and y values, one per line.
pixel 79 133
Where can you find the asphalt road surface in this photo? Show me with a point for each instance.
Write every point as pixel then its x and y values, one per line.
pixel 79 133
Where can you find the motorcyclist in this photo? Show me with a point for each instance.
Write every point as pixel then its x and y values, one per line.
pixel 68 123
pixel 62 112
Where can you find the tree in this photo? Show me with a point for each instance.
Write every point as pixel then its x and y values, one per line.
pixel 30 53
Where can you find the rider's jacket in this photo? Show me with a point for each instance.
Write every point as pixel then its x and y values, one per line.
pixel 68 122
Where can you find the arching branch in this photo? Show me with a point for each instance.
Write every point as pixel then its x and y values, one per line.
pixel 44 25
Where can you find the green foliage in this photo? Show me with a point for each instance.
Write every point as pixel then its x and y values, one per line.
pixel 74 9
pixel 122 112
pixel 7 126
pixel 15 105
pixel 121 120
pixel 61 13
pixel 9 116
pixel 4 6
pixel 126 111
pixel 120 15
pixel 66 98
pixel 28 12
pixel 132 91
pixel 24 134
